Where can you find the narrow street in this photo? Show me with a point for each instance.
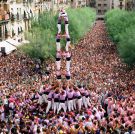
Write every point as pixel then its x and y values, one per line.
pixel 95 61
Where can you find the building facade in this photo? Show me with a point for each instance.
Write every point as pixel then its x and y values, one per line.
pixel 102 6
pixel 16 15
pixel 4 20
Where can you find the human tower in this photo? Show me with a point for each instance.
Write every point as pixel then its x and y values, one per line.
pixel 66 96
pixel 59 54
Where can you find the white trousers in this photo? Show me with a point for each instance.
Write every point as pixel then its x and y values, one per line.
pixel 84 103
pixel 88 101
pixel 66 29
pixel 70 104
pixel 74 103
pixel 58 46
pixel 44 96
pixel 40 100
pixel 79 103
pixel 68 65
pixel 67 45
pixel 62 106
pixel 59 28
pixel 58 65
pixel 48 106
pixel 55 106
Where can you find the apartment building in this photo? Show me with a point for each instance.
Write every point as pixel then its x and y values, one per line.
pixel 4 20
pixel 15 16
pixel 104 5
pixel 101 7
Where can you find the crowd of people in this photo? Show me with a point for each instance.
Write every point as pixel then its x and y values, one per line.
pixel 25 92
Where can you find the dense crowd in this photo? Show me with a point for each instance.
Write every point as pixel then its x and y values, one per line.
pixel 25 91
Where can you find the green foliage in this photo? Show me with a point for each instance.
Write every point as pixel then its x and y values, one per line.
pixel 80 21
pixel 121 25
pixel 43 32
pixel 126 46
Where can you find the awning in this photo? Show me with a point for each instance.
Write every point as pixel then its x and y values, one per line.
pixel 8 47
pixel 13 42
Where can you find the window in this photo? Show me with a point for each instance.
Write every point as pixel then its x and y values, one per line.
pixel 105 11
pixel 99 11
pixel 99 5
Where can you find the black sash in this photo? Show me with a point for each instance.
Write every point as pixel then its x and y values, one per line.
pixel 70 98
pixel 56 100
pixel 79 97
pixel 49 99
pixel 62 101
pixel 46 93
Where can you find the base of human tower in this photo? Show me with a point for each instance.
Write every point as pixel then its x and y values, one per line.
pixel 64 96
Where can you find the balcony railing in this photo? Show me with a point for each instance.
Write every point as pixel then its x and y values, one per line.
pixel 19 17
pixel 15 17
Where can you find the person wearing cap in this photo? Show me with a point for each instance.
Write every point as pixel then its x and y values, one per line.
pixel 62 100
